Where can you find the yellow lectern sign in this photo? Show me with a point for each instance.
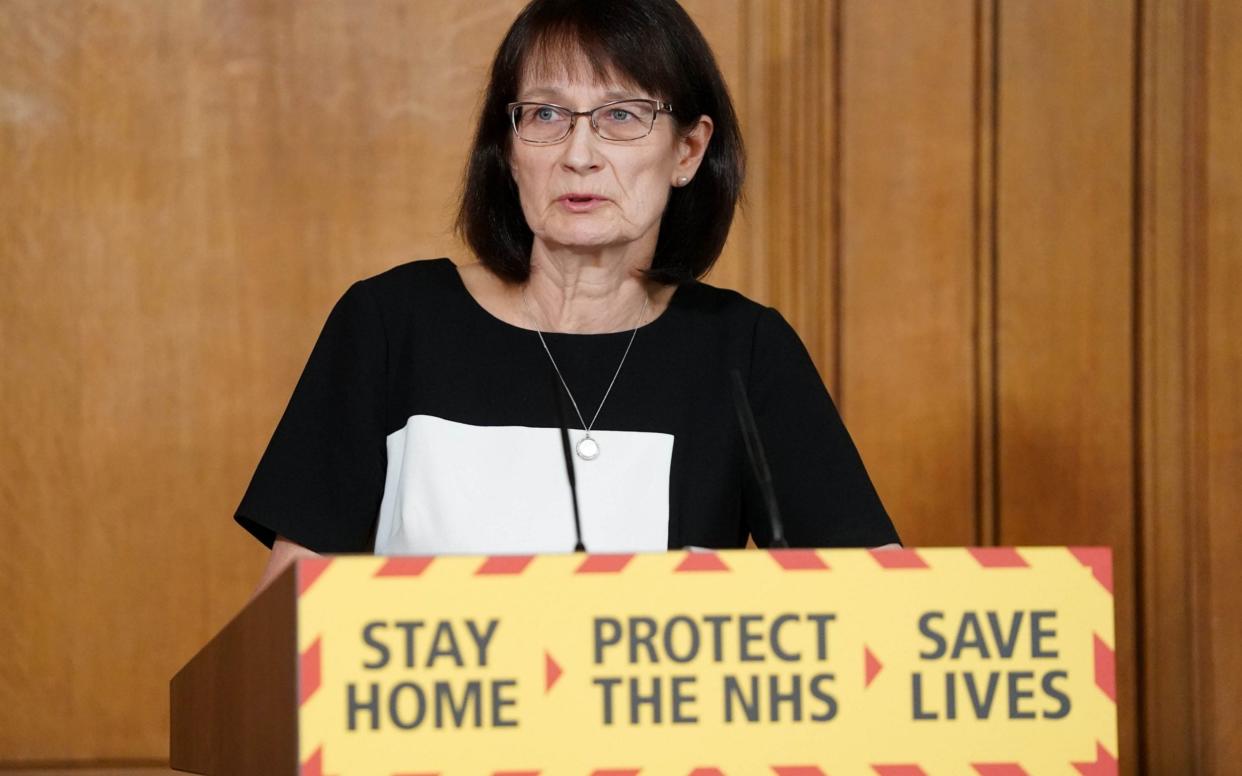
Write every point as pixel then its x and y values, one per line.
pixel 994 662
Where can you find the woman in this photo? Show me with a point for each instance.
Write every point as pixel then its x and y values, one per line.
pixel 603 178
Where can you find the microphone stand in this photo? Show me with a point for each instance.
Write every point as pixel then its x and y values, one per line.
pixel 566 448
pixel 758 461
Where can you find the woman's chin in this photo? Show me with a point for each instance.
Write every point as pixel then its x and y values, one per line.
pixel 581 242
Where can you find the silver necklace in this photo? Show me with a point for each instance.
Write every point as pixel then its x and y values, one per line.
pixel 587 448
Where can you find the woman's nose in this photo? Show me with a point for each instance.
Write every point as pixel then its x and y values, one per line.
pixel 580 151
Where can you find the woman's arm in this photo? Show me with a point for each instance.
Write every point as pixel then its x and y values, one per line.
pixel 284 552
pixel 825 494
pixel 321 478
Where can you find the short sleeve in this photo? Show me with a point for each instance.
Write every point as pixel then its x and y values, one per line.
pixel 320 481
pixel 822 489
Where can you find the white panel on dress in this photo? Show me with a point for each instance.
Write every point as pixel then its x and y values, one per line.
pixel 454 488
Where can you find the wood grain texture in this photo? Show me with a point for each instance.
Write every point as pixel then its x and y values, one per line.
pixel 135 769
pixel 721 24
pixel 190 186
pixel 908 260
pixel 193 185
pixel 1065 292
pixel 1006 229
pixel 235 703
pixel 1169 131
pixel 986 441
pixel 786 103
pixel 1220 293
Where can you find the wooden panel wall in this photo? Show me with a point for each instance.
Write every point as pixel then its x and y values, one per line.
pixel 1065 290
pixel 908 143
pixel 188 186
pixel 1190 445
pixel 1006 229
pixel 1177 679
pixel 1219 295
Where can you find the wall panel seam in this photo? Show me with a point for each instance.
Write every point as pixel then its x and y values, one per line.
pixel 983 288
pixel 1194 247
pixel 838 243
pixel 993 260
pixel 1137 366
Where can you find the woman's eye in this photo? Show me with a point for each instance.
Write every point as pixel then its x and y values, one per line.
pixel 618 114
pixel 545 114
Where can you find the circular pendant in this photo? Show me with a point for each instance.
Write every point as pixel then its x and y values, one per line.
pixel 587 449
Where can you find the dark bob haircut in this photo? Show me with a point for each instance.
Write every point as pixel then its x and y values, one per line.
pixel 650 44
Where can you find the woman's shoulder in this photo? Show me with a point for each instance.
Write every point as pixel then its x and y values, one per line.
pixel 405 289
pixel 725 304
pixel 419 275
pixel 391 303
pixel 739 317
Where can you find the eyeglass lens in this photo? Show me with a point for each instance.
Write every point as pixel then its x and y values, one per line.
pixel 539 123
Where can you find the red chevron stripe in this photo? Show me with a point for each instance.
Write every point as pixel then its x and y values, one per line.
pixel 1100 561
pixel 899 559
pixel 701 561
pixel 999 769
pixel 504 564
pixel 998 557
pixel 404 566
pixel 1105 668
pixel 313 766
pixel 1105 764
pixel 707 772
pixel 798 560
pixel 898 770
pixel 310 569
pixel 602 563
pixel 309 672
pixel 798 770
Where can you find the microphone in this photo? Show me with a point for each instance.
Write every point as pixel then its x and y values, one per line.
pixel 758 461
pixel 562 414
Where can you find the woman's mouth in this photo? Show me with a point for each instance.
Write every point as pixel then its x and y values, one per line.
pixel 581 203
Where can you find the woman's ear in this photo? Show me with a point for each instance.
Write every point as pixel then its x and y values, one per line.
pixel 691 147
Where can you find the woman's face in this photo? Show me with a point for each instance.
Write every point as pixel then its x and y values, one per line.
pixel 586 192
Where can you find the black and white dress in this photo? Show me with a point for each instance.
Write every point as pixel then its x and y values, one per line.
pixel 423 424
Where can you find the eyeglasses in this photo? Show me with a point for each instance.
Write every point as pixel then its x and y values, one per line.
pixel 541 123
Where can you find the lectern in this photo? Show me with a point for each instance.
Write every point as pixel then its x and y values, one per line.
pixel 995 661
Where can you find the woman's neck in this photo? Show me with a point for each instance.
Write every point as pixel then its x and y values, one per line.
pixel 586 294
pixel 569 293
